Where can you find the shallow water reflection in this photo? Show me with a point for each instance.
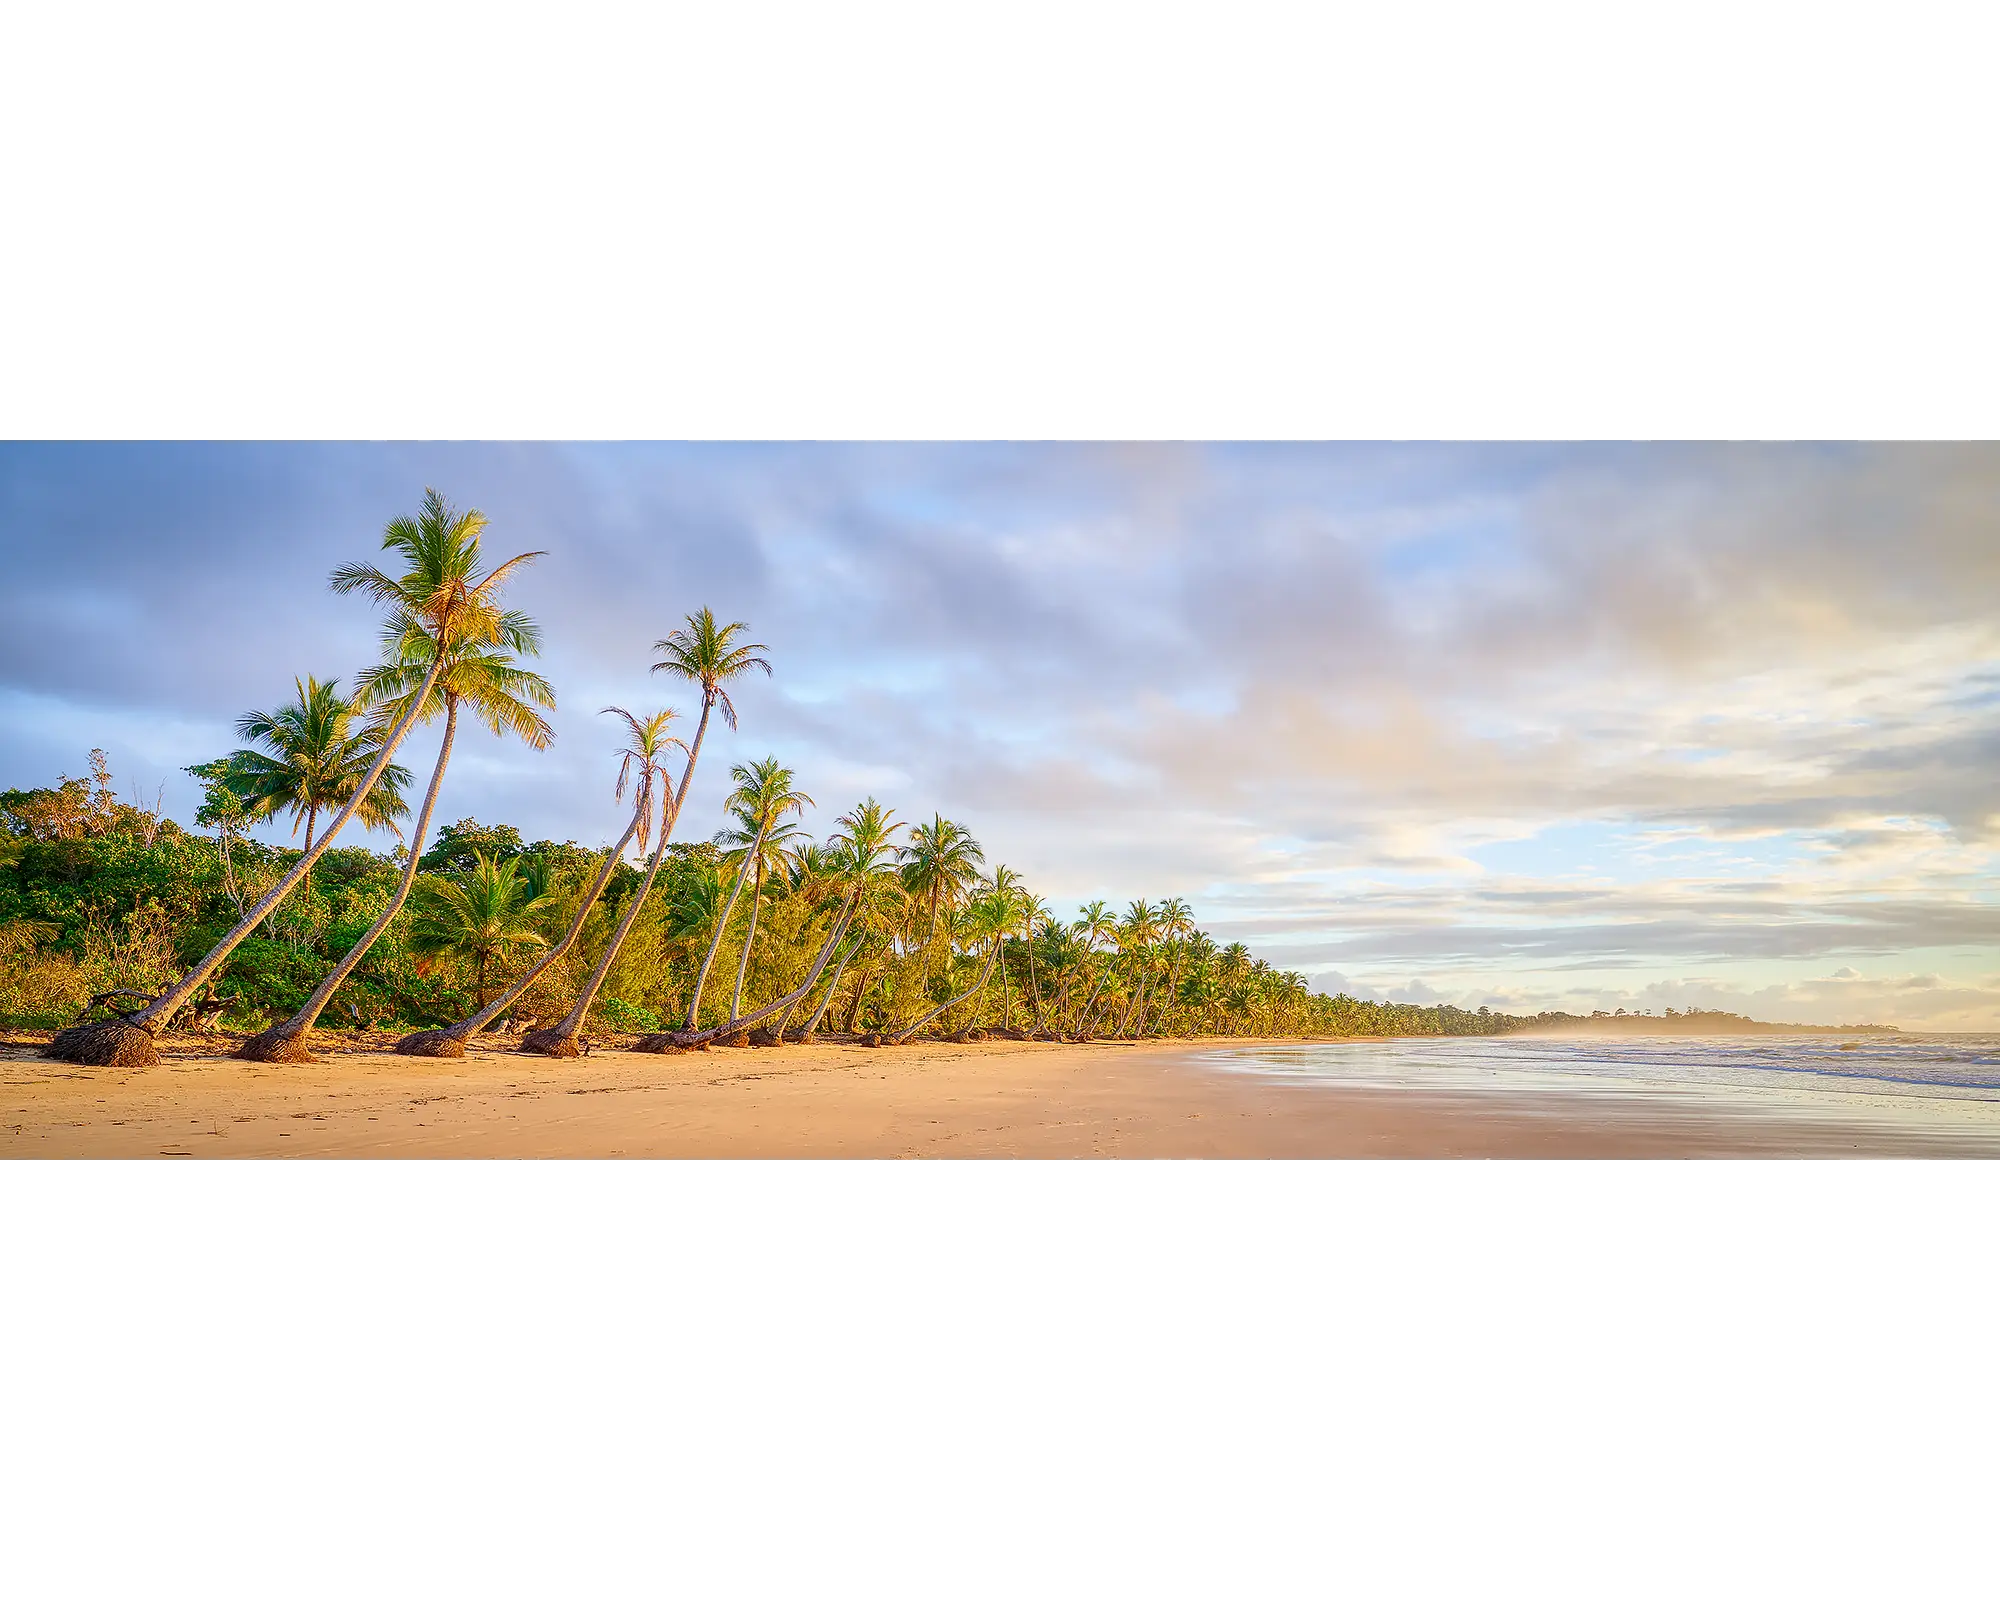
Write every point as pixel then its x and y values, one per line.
pixel 1911 1083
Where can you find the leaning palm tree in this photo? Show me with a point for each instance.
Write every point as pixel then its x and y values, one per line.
pixel 650 741
pixel 483 917
pixel 1136 937
pixel 986 921
pixel 493 690
pixel 706 654
pixel 1095 926
pixel 450 1041
pixel 770 800
pixel 868 859
pixel 316 753
pixel 443 588
pixel 758 803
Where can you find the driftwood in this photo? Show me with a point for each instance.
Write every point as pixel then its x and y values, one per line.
pixel 140 995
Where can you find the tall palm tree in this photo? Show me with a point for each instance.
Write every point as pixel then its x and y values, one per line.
pixel 706 654
pixel 1097 927
pixel 940 865
pixel 1136 936
pixel 317 752
pixel 640 764
pixel 762 799
pixel 1006 883
pixel 771 801
pixel 487 683
pixel 442 586
pixel 482 918
pixel 866 842
pixel 1036 918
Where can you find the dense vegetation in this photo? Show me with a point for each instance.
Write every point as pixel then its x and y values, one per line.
pixel 97 895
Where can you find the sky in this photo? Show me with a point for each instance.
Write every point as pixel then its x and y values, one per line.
pixel 1530 726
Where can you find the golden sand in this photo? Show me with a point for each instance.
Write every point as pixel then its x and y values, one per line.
pixel 991 1099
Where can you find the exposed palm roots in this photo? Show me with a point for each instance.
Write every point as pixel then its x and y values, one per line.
pixel 431 1042
pixel 276 1044
pixel 104 1044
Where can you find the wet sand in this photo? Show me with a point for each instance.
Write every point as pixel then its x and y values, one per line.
pixel 838 1100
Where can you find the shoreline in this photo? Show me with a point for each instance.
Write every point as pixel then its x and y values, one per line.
pixel 992 1099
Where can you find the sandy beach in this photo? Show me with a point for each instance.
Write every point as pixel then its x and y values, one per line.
pixel 991 1099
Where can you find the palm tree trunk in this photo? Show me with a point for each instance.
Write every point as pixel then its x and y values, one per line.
pixel 1034 980
pixel 275 1044
pixel 71 1042
pixel 749 941
pixel 662 1042
pixel 451 1041
pixel 937 1011
pixel 550 1040
pixel 832 987
pixel 860 994
pixel 721 922
pixel 840 929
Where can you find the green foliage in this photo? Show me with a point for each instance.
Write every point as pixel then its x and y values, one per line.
pixel 459 844
pixel 627 1017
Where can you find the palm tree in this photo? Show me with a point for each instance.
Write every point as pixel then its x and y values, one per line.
pixel 451 1041
pixel 485 682
pixel 1095 926
pixel 706 654
pixel 986 920
pixel 1036 917
pixel 444 590
pixel 868 856
pixel 769 799
pixel 649 742
pixel 940 864
pixel 762 799
pixel 1006 884
pixel 813 876
pixel 317 752
pixel 1135 939
pixel 482 917
pixel 1176 925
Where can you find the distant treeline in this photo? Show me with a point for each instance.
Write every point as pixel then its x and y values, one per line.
pixel 100 896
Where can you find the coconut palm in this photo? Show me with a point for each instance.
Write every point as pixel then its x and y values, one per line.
pixel 317 753
pixel 771 800
pixel 940 865
pixel 482 917
pixel 761 801
pixel 639 765
pixel 1096 927
pixel 1006 883
pixel 866 842
pixel 492 689
pixel 706 654
pixel 1176 925
pixel 983 920
pixel 443 588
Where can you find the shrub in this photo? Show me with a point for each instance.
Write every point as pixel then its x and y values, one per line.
pixel 626 1017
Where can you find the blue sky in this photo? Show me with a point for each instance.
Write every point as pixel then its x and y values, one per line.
pixel 1523 725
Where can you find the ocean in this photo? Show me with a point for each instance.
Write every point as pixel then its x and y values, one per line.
pixel 1908 1083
